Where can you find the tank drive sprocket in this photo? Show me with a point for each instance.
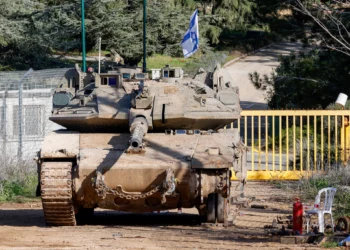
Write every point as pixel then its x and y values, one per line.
pixel 56 193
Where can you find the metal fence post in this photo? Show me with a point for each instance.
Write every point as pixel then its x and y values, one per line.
pixel 20 115
pixel 3 126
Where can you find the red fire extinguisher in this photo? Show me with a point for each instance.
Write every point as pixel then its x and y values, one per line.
pixel 297 216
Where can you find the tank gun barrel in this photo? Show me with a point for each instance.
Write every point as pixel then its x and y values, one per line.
pixel 138 129
pixel 136 137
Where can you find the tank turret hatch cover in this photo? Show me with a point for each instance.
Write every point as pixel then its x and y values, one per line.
pixel 62 98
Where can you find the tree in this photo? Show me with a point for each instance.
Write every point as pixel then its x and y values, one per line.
pixel 23 43
pixel 58 23
pixel 277 16
pixel 34 29
pixel 315 79
pixel 120 26
pixel 310 80
pixel 14 28
pixel 331 20
pixel 218 15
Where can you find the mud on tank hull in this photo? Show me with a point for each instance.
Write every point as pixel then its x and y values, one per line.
pixel 96 170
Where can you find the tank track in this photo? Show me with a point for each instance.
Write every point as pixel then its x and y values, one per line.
pixel 56 193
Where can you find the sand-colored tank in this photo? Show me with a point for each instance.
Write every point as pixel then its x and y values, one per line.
pixel 140 145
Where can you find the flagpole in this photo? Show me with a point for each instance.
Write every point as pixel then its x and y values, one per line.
pixel 144 35
pixel 99 54
pixel 83 34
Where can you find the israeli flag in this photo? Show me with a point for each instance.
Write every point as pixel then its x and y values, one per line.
pixel 190 41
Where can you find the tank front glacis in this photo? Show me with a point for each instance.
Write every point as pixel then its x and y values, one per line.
pixel 140 145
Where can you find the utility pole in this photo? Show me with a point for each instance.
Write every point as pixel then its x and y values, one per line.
pixel 83 34
pixel 144 35
pixel 99 54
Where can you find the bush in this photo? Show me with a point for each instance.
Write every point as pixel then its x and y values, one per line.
pixel 322 74
pixel 331 244
pixel 9 189
pixel 206 61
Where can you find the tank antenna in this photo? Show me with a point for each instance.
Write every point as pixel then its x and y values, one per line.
pixel 83 35
pixel 99 54
pixel 144 35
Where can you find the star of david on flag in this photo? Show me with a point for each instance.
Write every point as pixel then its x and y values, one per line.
pixel 190 41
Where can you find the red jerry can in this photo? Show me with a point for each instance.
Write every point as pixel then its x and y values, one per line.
pixel 297 216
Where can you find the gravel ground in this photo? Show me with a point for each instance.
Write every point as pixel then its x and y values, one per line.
pixel 22 227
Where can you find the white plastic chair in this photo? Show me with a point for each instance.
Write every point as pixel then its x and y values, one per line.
pixel 327 208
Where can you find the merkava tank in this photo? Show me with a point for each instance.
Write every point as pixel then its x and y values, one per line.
pixel 139 145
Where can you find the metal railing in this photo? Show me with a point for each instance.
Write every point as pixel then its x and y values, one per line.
pixel 290 144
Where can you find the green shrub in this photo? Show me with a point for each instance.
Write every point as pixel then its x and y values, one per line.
pixel 206 61
pixel 331 244
pixel 190 65
pixel 17 178
pixel 9 189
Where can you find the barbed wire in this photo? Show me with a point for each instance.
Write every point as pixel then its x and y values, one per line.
pixel 40 79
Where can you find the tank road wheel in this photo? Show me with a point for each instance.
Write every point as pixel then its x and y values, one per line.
pixel 211 208
pixel 56 193
pixel 222 209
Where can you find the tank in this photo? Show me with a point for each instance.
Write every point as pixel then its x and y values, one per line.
pixel 141 143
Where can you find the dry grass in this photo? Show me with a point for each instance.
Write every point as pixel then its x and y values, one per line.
pixel 338 177
pixel 17 177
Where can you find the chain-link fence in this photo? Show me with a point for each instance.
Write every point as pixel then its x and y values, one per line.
pixel 25 106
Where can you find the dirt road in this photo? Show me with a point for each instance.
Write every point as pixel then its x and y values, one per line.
pixel 22 227
pixel 263 62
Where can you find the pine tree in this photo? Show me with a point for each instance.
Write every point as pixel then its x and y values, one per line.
pixel 20 46
pixel 120 26
pixel 31 30
pixel 221 14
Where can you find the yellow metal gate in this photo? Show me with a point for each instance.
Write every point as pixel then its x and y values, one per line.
pixel 289 144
